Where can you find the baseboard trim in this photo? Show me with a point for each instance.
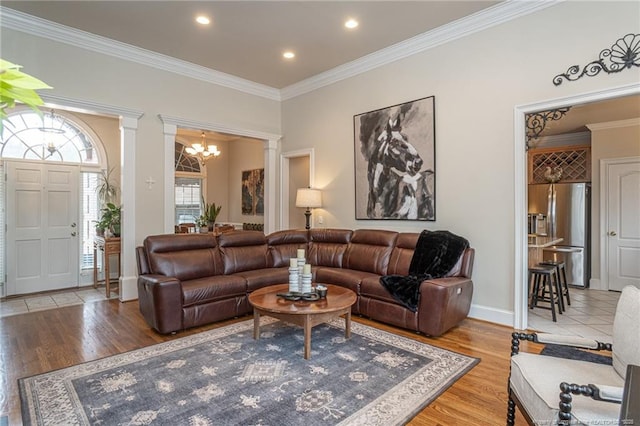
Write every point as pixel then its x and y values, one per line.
pixel 498 316
pixel 128 288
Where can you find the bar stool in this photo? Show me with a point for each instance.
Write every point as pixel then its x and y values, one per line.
pixel 562 277
pixel 546 276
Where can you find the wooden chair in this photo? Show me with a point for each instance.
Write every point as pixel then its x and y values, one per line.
pixel 542 386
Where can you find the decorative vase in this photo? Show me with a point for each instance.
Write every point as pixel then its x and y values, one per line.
pixel 211 225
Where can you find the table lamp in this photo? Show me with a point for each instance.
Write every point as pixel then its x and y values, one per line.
pixel 309 198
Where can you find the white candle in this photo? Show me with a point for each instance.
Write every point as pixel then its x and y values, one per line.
pixel 293 262
pixel 306 269
pixel 300 253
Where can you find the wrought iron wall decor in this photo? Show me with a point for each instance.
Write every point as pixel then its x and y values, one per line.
pixel 625 53
pixel 537 121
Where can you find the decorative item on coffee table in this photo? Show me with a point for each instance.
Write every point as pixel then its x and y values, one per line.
pixel 294 276
pixel 305 279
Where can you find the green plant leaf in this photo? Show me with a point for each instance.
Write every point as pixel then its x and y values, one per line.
pixel 18 86
pixel 22 80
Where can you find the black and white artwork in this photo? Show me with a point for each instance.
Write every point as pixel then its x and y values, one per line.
pixel 395 162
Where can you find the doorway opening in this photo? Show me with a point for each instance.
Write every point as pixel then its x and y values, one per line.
pixel 297 171
pixel 49 200
pixel 520 220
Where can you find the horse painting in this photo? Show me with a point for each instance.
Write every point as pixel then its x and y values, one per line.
pixel 393 158
pixel 399 186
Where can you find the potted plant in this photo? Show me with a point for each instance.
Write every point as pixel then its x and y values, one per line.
pixel 202 224
pixel 108 189
pixel 110 219
pixel 210 213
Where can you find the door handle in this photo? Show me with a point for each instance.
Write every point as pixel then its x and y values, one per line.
pixel 73 234
pixel 73 225
pixel 612 233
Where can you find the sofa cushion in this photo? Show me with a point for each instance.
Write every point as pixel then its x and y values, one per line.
pixel 402 253
pixel 243 251
pixel 263 277
pixel 212 288
pixel 371 287
pixel 370 250
pixel 183 256
pixel 343 277
pixel 283 245
pixel 327 246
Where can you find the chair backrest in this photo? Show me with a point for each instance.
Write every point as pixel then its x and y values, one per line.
pixel 626 330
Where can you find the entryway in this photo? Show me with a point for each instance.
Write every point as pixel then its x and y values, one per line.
pixel 42 227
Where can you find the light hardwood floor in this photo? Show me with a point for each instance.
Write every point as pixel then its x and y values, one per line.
pixel 37 342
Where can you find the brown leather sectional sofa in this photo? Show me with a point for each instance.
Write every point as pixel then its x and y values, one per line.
pixel 187 280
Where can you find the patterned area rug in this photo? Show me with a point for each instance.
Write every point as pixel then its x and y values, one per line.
pixel 224 377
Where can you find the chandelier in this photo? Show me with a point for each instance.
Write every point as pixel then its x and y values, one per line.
pixel 199 150
pixel 51 133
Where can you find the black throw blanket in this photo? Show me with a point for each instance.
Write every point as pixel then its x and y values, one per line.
pixel 436 253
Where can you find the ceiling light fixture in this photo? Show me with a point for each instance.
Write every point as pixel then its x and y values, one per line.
pixel 203 20
pixel 50 132
pixel 289 54
pixel 351 24
pixel 198 150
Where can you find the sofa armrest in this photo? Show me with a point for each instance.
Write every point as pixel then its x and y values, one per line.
pixel 160 300
pixel 443 303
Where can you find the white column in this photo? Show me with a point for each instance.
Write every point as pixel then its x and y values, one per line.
pixel 170 131
pixel 270 147
pixel 128 272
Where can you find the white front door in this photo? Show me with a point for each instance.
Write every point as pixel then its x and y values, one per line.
pixel 623 224
pixel 42 227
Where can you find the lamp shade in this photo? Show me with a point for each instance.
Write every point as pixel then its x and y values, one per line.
pixel 307 197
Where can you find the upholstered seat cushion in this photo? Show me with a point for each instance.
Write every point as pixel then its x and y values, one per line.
pixel 209 289
pixel 263 277
pixel 535 379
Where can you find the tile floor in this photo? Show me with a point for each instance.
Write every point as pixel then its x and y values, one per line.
pixel 40 302
pixel 590 315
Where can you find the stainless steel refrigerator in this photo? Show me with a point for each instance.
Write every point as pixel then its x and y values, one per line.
pixel 567 207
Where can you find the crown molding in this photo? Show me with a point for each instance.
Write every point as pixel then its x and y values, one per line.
pixel 487 18
pixel 495 15
pixel 33 25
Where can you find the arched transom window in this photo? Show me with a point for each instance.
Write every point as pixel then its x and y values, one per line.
pixel 47 137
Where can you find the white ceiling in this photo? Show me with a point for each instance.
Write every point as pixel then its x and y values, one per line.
pixel 246 38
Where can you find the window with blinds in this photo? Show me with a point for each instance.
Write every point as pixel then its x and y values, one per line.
pixel 89 217
pixel 188 193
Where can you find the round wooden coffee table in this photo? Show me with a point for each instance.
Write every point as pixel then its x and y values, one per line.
pixel 306 314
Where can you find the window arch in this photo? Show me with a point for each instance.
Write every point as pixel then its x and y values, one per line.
pixel 48 137
pixel 185 162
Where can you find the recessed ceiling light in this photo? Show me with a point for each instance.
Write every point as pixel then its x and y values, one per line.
pixel 289 54
pixel 201 19
pixel 351 24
